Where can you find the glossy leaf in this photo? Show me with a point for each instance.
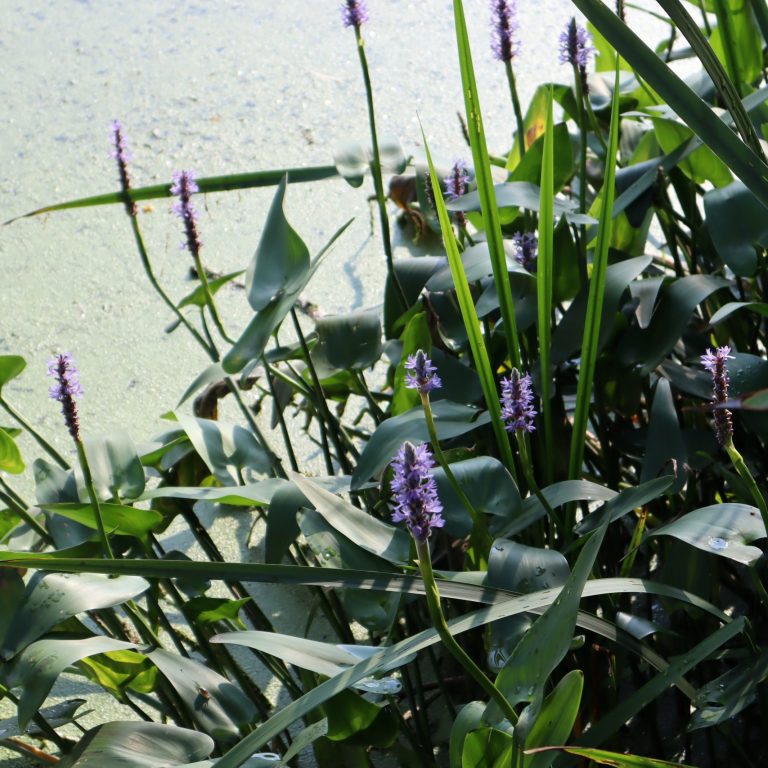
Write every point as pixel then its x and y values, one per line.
pixel 485 748
pixel 138 745
pixel 555 721
pixel 451 420
pixel 726 530
pixel 50 598
pixel 468 719
pixel 209 610
pixel 355 720
pixel 115 465
pixel 217 706
pixel 226 449
pixel 197 297
pixel 665 450
pixel 10 367
pixel 604 757
pixel 118 671
pixel 487 484
pixel 347 342
pixel 375 536
pixel 118 518
pixel 10 456
pixel 736 245
pixel 38 666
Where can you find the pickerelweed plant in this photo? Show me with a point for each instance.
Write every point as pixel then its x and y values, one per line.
pixel 557 558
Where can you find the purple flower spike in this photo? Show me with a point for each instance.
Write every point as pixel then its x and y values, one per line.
pixel 575 45
pixel 457 181
pixel 504 26
pixel 527 245
pixel 415 491
pixel 517 402
pixel 122 156
pixel 184 186
pixel 67 388
pixel 715 363
pixel 421 374
pixel 354 13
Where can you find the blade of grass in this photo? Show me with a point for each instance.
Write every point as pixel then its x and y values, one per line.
pixel 485 186
pixel 726 87
pixel 544 281
pixel 471 321
pixel 208 184
pixel 595 300
pixel 693 110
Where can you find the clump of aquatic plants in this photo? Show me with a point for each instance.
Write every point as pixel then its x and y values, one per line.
pixel 540 536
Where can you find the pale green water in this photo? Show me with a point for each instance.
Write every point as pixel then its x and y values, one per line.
pixel 217 87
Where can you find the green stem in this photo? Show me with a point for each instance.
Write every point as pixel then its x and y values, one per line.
pixel 39 439
pixel 209 297
pixel 280 416
pixel 23 513
pixel 438 619
pixel 376 413
pixel 477 521
pixel 376 171
pixel 516 108
pixel 533 486
pixel 740 466
pixel 93 496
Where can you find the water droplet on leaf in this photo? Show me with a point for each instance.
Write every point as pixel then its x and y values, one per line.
pixel 717 543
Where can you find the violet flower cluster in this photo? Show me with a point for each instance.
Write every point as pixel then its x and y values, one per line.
pixel 517 402
pixel 527 249
pixel 715 363
pixel 184 186
pixel 66 389
pixel 415 492
pixel 421 374
pixel 122 156
pixel 354 13
pixel 576 48
pixel 504 27
pixel 456 184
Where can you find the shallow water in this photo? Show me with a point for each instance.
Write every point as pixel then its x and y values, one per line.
pixel 219 88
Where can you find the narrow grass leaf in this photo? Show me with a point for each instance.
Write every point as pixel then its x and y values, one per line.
pixel 591 338
pixel 485 184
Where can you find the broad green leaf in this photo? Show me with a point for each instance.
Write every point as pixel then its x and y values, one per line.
pixel 213 373
pixel 273 307
pixel 282 528
pixel 726 530
pixel 451 420
pixel 118 671
pixel 10 456
pixel 645 291
pixel 543 647
pixel 555 721
pixel 676 306
pixel 117 518
pixel 11 595
pixel 736 245
pixel 486 748
pixel 138 745
pixel 281 260
pixel 728 309
pixel 374 609
pixel 197 297
pixel 347 342
pixel 626 501
pixel 354 720
pixel 374 535
pixel 115 466
pixel 415 337
pixel 50 598
pixel 251 495
pixel 556 495
pixel 726 696
pixel 10 367
pixel 209 610
pixel 530 169
pixel 487 484
pixel 702 165
pixel 215 704
pixel 469 718
pixel 226 449
pixel 38 666
pixel 736 41
pixel 665 450
pixel 567 335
